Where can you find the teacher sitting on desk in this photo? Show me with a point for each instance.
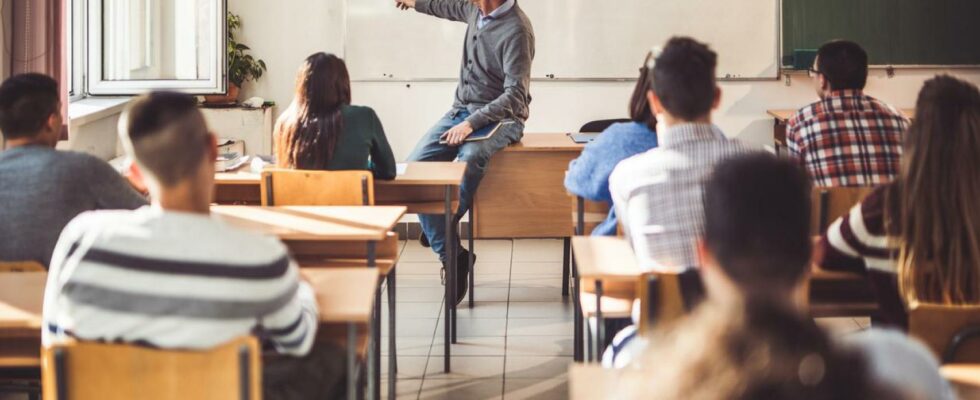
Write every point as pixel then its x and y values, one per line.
pixel 493 88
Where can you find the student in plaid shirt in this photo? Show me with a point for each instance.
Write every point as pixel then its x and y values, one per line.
pixel 847 138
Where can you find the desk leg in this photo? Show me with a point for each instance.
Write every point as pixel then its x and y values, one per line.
pixel 450 265
pixel 352 361
pixel 577 341
pixel 600 325
pixel 392 358
pixel 589 342
pixel 376 346
pixel 566 265
pixel 372 258
pixel 472 255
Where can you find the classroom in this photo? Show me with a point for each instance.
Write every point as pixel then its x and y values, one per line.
pixel 489 199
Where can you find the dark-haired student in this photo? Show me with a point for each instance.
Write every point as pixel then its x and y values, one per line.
pixel 751 339
pixel 41 188
pixel 321 130
pixel 918 238
pixel 588 175
pixel 170 276
pixel 657 194
pixel 847 139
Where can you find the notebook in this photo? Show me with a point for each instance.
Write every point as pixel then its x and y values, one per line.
pixel 583 138
pixel 484 133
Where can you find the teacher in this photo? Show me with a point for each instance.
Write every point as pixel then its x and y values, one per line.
pixel 494 80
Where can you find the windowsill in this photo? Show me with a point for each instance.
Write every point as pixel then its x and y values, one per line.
pixel 89 109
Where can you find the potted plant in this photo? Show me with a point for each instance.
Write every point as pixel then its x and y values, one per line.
pixel 242 67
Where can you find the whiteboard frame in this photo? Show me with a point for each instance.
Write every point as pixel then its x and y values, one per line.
pixel 777 77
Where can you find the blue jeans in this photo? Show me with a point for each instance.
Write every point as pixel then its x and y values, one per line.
pixel 476 155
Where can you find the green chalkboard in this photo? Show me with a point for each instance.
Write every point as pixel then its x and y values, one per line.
pixel 895 32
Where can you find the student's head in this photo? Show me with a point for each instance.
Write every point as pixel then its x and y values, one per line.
pixel 683 84
pixel 166 136
pixel 937 202
pixel 760 352
pixel 30 109
pixel 307 133
pixel 840 65
pixel 756 243
pixel 640 110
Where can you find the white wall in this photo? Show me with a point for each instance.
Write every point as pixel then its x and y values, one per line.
pixel 285 33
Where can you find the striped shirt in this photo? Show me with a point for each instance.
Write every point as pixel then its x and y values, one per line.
pixel 847 139
pixel 174 280
pixel 658 194
pixel 859 243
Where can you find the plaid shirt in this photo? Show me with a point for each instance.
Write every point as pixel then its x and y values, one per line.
pixel 847 139
pixel 658 194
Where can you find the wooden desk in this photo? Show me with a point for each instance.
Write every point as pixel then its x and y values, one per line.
pixel 591 382
pixel 965 379
pixel 782 116
pixel 523 193
pixel 314 223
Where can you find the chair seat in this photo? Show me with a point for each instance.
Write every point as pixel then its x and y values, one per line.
pixel 612 306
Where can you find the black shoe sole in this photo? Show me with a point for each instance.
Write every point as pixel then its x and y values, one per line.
pixel 463 275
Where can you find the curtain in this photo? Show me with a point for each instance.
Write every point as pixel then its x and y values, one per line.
pixel 38 42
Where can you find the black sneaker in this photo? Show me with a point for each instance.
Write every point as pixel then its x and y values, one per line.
pixel 463 274
pixel 424 240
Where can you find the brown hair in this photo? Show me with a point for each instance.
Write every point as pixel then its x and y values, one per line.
pixel 935 200
pixel 639 103
pixel 307 133
pixel 166 135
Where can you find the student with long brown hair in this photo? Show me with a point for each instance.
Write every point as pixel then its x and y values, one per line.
pixel 919 237
pixel 321 130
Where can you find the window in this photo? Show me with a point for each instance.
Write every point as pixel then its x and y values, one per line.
pixel 134 46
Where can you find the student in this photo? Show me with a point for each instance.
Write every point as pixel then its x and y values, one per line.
pixel 321 130
pixel 588 175
pixel 657 194
pixel 750 338
pixel 170 276
pixel 847 138
pixel 918 238
pixel 494 87
pixel 41 189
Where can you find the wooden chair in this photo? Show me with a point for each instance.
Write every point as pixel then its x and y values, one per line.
pixel 21 266
pixel 951 332
pixel 81 371
pixel 286 187
pixel 586 215
pixel 832 203
pixel 667 297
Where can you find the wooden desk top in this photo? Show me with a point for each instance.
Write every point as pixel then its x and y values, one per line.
pixel 592 382
pixel 964 378
pixel 784 115
pixel 343 294
pixel 544 142
pixel 314 223
pixel 604 258
pixel 21 299
pixel 416 174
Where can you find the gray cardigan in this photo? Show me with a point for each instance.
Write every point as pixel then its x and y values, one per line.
pixel 495 73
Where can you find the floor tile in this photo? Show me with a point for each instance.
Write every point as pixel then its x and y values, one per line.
pixel 409 367
pixel 540 327
pixel 418 295
pixel 537 268
pixel 462 389
pixel 540 346
pixel 426 280
pixel 493 250
pixel 538 250
pixel 478 367
pixel 554 309
pixel 472 346
pixel 414 310
pixel 414 252
pixel 474 327
pixel 536 389
pixel 490 294
pixel 430 269
pixel 535 281
pixel 536 367
pixel 864 323
pixel 492 280
pixel 416 327
pixel 409 346
pixel 404 389
pixel 535 294
pixel 482 309
pixel 491 268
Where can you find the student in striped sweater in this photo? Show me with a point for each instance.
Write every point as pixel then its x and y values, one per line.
pixel 918 238
pixel 170 276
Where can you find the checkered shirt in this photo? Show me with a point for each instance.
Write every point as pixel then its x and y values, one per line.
pixel 658 194
pixel 847 139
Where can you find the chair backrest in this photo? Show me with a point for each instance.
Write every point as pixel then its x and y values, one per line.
pixel 667 297
pixel 83 371
pixel 21 266
pixel 832 203
pixel 287 187
pixel 594 213
pixel 951 332
pixel 600 125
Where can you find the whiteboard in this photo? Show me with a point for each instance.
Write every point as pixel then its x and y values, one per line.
pixel 575 39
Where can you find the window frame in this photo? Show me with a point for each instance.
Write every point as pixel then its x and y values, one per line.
pixel 92 63
pixel 76 47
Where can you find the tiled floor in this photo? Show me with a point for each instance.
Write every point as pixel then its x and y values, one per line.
pixel 515 343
